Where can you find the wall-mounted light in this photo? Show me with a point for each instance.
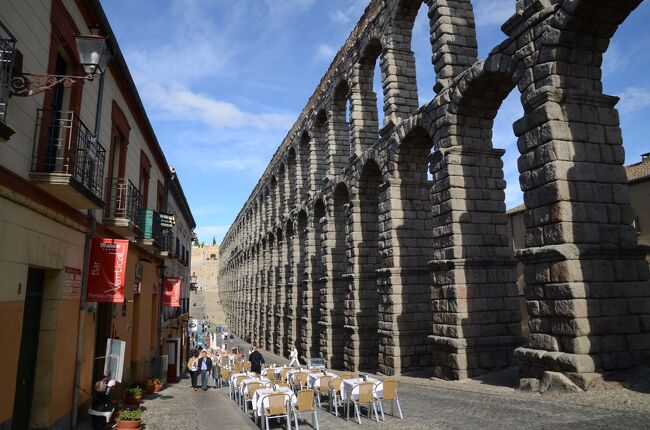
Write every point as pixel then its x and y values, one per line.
pixel 94 55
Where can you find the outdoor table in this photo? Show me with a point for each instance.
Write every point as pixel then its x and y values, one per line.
pixel 293 372
pixel 348 385
pixel 233 378
pixel 243 390
pixel 313 379
pixel 276 371
pixel 259 398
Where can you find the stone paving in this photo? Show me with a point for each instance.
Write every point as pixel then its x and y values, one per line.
pixel 425 406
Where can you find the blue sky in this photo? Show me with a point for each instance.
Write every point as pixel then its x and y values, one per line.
pixel 224 80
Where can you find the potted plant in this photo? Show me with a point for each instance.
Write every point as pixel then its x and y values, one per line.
pixel 133 395
pixel 129 419
pixel 157 384
pixel 149 386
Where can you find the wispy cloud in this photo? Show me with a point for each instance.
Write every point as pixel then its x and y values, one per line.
pixel 350 14
pixel 634 99
pixel 325 52
pixel 493 12
pixel 177 103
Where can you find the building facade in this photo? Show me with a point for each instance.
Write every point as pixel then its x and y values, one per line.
pixel 384 247
pixel 78 162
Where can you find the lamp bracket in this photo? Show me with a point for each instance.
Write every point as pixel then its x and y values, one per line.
pixel 28 84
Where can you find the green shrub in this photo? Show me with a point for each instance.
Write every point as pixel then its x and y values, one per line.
pixel 130 415
pixel 133 392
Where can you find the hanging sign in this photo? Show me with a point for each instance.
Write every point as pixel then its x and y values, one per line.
pixel 107 270
pixel 172 292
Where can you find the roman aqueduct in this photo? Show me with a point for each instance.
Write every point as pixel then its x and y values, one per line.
pixel 383 247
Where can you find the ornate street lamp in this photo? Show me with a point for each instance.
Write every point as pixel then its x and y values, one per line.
pixel 94 56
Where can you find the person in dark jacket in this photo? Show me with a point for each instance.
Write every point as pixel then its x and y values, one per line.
pixel 256 361
pixel 205 366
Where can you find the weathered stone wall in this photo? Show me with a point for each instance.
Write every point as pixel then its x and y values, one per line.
pixel 347 248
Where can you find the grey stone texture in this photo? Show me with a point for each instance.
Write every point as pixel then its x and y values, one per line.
pixel 383 247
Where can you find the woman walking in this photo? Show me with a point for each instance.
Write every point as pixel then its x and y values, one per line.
pixel 193 368
pixel 294 357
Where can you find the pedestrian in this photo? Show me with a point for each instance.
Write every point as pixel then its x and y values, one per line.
pixel 205 366
pixel 216 367
pixel 256 361
pixel 193 368
pixel 294 357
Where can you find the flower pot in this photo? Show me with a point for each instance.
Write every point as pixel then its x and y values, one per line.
pixel 150 389
pixel 158 387
pixel 124 424
pixel 132 400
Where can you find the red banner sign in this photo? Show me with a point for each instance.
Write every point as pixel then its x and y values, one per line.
pixel 172 292
pixel 106 271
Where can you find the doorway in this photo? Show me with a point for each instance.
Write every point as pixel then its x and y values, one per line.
pixel 104 327
pixel 173 359
pixel 28 349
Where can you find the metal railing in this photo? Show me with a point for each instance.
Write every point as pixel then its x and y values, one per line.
pixel 124 200
pixel 7 57
pixel 63 144
pixel 167 241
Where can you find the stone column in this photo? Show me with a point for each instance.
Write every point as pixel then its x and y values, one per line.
pixel 586 278
pixel 476 317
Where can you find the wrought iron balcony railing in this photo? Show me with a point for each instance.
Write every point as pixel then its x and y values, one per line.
pixel 124 200
pixel 64 145
pixel 7 57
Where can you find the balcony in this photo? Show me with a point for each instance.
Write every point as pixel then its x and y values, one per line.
pixel 7 58
pixel 68 161
pixel 124 202
pixel 150 234
pixel 167 242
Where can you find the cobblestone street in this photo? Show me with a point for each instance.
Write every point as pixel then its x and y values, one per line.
pixel 425 404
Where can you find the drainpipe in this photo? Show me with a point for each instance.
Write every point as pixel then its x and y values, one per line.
pixel 168 179
pixel 84 276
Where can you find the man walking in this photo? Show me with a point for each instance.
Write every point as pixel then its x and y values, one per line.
pixel 205 366
pixel 256 361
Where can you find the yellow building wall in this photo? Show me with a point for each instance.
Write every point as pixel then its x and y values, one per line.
pixel 29 239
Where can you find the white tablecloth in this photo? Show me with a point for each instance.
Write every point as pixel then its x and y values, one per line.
pixel 293 372
pixel 260 401
pixel 235 376
pixel 313 380
pixel 243 388
pixel 275 370
pixel 349 387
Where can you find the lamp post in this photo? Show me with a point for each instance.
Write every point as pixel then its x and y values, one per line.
pixel 94 56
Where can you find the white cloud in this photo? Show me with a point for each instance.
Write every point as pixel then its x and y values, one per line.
pixel 493 12
pixel 634 99
pixel 177 103
pixel 325 52
pixel 350 14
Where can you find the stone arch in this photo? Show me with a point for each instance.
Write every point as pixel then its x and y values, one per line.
pixel 338 133
pixel 454 47
pixel 571 168
pixel 364 114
